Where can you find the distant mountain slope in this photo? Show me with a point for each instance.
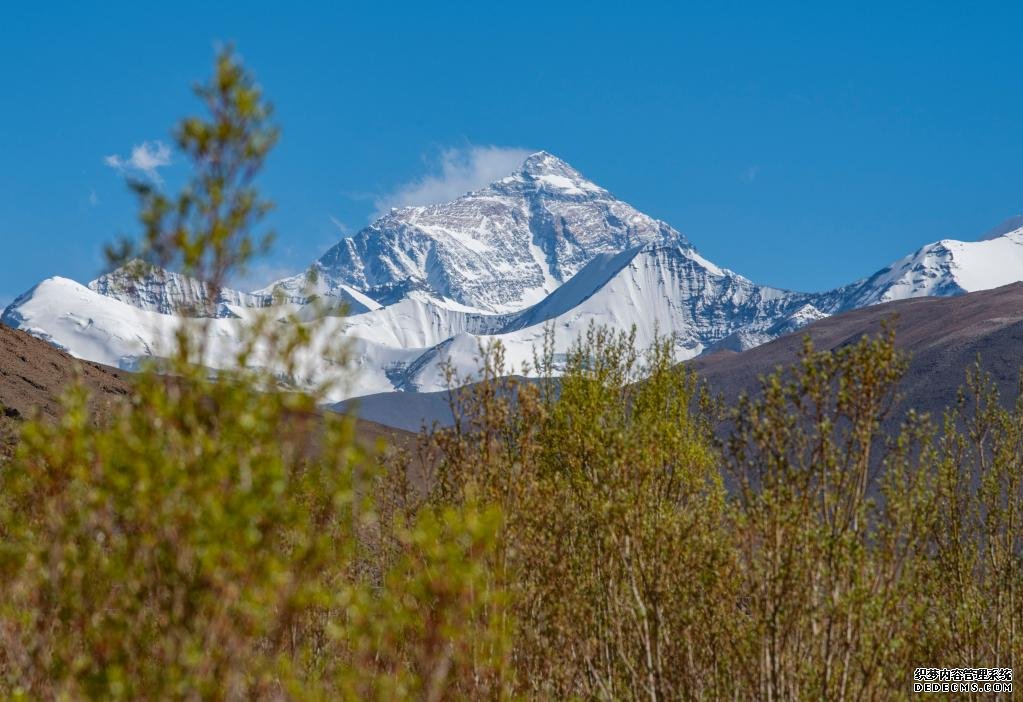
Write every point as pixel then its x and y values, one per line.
pixel 943 335
pixel 945 268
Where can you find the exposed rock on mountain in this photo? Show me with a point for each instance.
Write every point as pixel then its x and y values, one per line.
pixel 498 249
pixel 158 290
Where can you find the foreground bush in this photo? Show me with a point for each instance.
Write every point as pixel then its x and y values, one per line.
pixel 613 545
pixel 808 555
pixel 194 548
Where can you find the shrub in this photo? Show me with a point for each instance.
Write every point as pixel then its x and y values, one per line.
pixel 215 537
pixel 809 553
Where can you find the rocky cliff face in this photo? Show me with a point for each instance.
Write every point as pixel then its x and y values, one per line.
pixel 158 290
pixel 496 250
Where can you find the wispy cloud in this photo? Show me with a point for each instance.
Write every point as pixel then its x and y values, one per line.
pixel 145 159
pixel 341 226
pixel 750 173
pixel 93 198
pixel 454 172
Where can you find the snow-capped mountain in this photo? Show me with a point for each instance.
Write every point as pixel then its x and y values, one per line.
pixel 945 268
pixel 166 292
pixel 88 324
pixel 662 290
pixel 543 247
pixel 499 249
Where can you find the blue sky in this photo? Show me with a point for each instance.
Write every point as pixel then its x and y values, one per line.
pixel 803 146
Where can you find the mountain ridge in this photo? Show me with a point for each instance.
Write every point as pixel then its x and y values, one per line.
pixel 542 247
pixel 943 337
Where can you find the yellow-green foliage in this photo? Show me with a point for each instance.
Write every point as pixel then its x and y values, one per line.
pixel 217 537
pixel 577 537
pixel 809 556
pixel 613 546
pixel 210 542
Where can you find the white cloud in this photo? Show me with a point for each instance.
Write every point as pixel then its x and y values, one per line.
pixel 341 226
pixel 455 172
pixel 750 174
pixel 93 198
pixel 145 158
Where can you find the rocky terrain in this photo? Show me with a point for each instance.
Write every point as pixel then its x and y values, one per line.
pixel 33 376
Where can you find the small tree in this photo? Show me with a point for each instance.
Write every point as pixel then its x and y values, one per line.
pixel 213 538
pixel 612 548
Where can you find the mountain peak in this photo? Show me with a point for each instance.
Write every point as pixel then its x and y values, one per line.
pixel 544 163
pixel 545 172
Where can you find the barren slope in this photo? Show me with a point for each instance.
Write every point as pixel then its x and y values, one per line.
pixel 34 374
pixel 944 336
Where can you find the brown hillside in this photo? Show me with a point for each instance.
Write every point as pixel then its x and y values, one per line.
pixel 943 335
pixel 34 374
